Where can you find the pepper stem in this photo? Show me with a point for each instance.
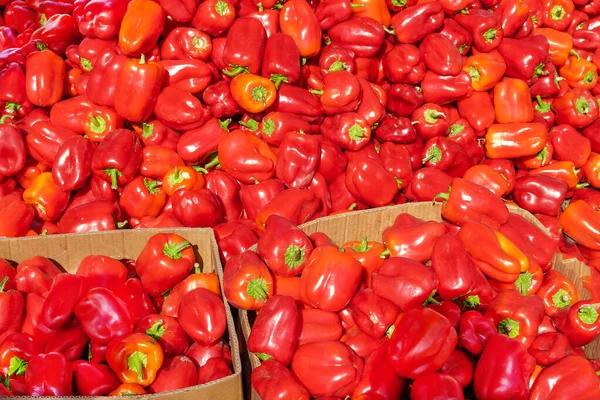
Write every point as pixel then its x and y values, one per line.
pixel 444 195
pixel 434 155
pixel 294 256
pixel 363 247
pixel 471 301
pixel 235 70
pixel 4 118
pixel 214 162
pixel 3 283
pixel 97 124
pixel 175 178
pixel 113 174
pixel 136 362
pixel 263 356
pixel 257 289
pixel 490 35
pixel 157 330
pixel 385 253
pixel 509 327
pixel 561 299
pixel 431 300
pixel 588 314
pixel 278 79
pixel 197 269
pixel 17 366
pixel 173 250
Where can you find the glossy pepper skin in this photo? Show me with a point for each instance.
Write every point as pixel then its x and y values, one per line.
pixel 117 158
pixel 569 145
pixel 92 311
pixel 297 205
pixel 468 201
pixel 298 20
pixel 276 330
pixel 49 375
pixel 446 89
pixel 141 81
pixel 65 293
pixel 577 108
pixel 579 322
pixel 14 304
pixel 246 157
pixel 244 47
pixel 180 110
pixel 177 373
pixel 44 76
pixel 361 35
pixel 281 60
pixel 12 149
pixel 247 281
pixel 142 24
pixel 414 242
pixel 581 223
pixel 284 247
pixel 165 261
pixel 47 198
pixel 198 279
pixel 343 279
pixel 273 380
pixel 540 194
pixel 101 19
pixel 202 316
pixel 555 381
pixel 503 370
pixel 379 377
pixel 516 316
pixel 73 163
pixel 135 358
pixel 417 21
pixel 453 267
pixel 475 331
pixel 417 328
pixel 485 28
pixel 418 281
pixel 373 314
pixel 90 217
pixel 337 374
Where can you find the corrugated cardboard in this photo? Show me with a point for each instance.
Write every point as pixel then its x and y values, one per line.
pixel 353 226
pixel 69 250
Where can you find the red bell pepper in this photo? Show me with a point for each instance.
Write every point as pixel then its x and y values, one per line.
pixel 453 267
pixel 417 21
pixel 165 260
pixel 117 158
pixel 246 157
pixel 49 374
pixel 557 292
pixel 273 380
pixel 414 242
pixel 92 379
pixel 16 216
pixel 90 217
pixel 361 35
pixel 276 330
pixel 195 280
pixel 73 163
pixel 296 205
pixel 364 173
pixel 346 273
pixel 226 189
pixel 206 212
pixel 206 327
pixel 142 78
pixel 99 18
pixel 12 150
pixel 434 385
pixel 379 377
pixel 297 159
pixel 319 326
pixel 556 380
pixel 141 27
pixel 404 64
pixel 56 33
pixel 178 373
pixel 214 16
pixel 275 125
pixel 100 324
pixel 550 347
pixel 247 281
pixel 44 76
pixel 446 89
pixel 579 322
pixel 485 28
pixel 467 201
pixel 13 302
pixel 512 102
pixel 516 316
pixel 167 331
pixel 284 247
pixel 540 194
pixel 179 109
pixel 418 281
pixel 373 314
pixel 446 155
pixel 337 374
pixel 135 358
pixel 475 331
pixel 503 370
pixel 35 275
pixel 245 47
pixel 577 108
pixel 64 294
pixel 418 328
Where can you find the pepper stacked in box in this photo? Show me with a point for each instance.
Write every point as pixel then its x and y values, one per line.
pixel 141 113
pixel 465 308
pixel 114 327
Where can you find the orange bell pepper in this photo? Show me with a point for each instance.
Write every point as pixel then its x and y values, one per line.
pixel 376 9
pixel 582 224
pixel 591 170
pixel 182 178
pixel 128 389
pixel 563 170
pixel 142 25
pixel 512 101
pixel 47 198
pixel 561 44
pixel 135 358
pixel 495 256
pixel 298 20
pixel 515 140
pixel 579 72
pixel 253 93
pixel 485 69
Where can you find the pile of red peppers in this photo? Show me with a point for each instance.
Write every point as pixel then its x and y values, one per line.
pixel 252 117
pixel 140 113
pixel 114 327
pixel 467 308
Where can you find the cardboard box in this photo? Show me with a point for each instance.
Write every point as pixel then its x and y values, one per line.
pixel 69 250
pixel 353 226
